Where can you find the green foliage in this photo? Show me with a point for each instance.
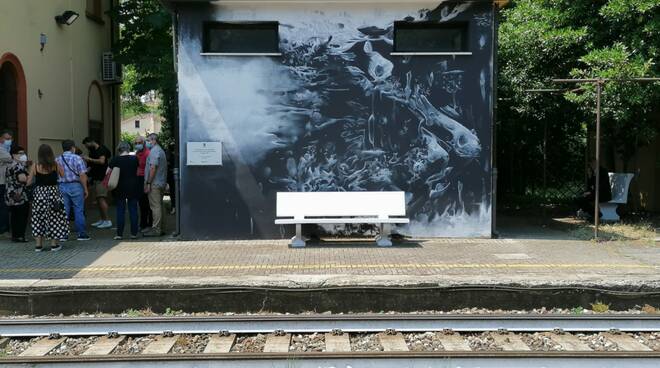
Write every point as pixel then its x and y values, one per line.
pixel 145 49
pixel 600 307
pixel 128 137
pixel 540 40
pixel 577 311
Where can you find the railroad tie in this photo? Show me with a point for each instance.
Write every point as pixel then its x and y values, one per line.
pixel 219 344
pixel 104 345
pixel 394 342
pixel 43 346
pixel 162 345
pixel 510 342
pixel 4 342
pixel 453 342
pixel 337 343
pixel 626 342
pixel 569 342
pixel 277 343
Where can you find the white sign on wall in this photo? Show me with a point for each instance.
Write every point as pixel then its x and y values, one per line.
pixel 204 153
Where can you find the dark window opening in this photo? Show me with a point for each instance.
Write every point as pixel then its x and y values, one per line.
pixel 8 98
pixel 137 124
pixel 430 37
pixel 243 38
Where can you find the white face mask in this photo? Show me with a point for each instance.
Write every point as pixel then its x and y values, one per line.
pixel 23 158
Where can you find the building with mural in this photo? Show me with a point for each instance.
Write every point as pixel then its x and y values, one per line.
pixel 57 78
pixel 337 96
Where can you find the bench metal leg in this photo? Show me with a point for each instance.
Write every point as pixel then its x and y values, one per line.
pixel 383 239
pixel 298 241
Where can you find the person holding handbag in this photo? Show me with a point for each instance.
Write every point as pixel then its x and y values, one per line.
pixel 49 219
pixel 127 189
pixel 16 197
pixel 73 185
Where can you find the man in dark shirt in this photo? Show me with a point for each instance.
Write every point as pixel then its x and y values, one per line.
pixel 99 156
pixel 586 202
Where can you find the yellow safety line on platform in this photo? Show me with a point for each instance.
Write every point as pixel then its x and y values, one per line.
pixel 330 266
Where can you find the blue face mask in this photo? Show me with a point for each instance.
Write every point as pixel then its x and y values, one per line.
pixel 150 145
pixel 7 144
pixel 139 147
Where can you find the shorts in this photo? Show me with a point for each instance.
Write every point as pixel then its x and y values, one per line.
pixel 100 191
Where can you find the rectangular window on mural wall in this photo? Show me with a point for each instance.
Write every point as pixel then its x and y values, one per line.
pixel 241 38
pixel 427 37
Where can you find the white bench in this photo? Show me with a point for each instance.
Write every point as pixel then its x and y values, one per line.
pixel 383 208
pixel 619 184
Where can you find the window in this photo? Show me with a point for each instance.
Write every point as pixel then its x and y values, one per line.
pixel 241 38
pixel 137 124
pixel 94 10
pixel 430 37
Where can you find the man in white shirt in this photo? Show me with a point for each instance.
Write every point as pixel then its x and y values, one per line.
pixel 5 160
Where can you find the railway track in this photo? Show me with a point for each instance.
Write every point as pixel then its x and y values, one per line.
pixel 335 341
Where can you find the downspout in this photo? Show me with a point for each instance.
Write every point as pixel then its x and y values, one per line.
pixel 113 88
pixel 493 152
pixel 176 172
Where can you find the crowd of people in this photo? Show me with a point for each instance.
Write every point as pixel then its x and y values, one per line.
pixel 51 192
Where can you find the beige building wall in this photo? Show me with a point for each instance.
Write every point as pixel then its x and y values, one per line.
pixel 59 78
pixel 149 123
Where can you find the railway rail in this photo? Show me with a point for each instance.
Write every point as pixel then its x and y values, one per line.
pixel 397 340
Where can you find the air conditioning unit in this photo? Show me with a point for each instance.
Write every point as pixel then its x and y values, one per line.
pixel 110 68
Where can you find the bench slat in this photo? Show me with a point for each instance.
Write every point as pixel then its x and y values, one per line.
pixel 361 220
pixel 321 204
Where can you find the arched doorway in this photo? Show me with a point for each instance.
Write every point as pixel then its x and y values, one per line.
pixel 96 112
pixel 13 99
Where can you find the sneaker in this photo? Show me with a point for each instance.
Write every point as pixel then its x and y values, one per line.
pixel 133 237
pixel 105 225
pixel 97 223
pixel 84 238
pixel 63 240
pixel 39 249
pixel 56 248
pixel 117 237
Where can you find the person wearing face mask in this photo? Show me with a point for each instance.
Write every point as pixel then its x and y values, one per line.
pixel 142 152
pixel 155 181
pixel 5 161
pixel 16 198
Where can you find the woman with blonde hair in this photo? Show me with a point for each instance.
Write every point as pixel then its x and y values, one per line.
pixel 49 219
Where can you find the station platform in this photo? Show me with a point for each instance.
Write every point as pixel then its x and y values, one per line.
pixel 513 272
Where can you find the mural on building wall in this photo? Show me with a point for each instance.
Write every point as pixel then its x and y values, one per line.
pixel 337 113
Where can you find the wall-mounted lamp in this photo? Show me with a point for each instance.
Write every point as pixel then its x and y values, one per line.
pixel 43 40
pixel 68 17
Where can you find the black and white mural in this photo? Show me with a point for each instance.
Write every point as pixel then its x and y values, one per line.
pixel 337 112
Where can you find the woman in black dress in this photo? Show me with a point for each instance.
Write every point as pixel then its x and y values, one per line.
pixel 127 192
pixel 48 215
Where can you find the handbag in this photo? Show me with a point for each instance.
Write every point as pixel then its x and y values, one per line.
pixel 111 179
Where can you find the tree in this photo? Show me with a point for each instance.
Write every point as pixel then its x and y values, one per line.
pixel 145 49
pixel 545 39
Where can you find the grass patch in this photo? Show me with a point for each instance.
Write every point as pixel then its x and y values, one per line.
pixel 600 307
pixel 643 230
pixel 577 311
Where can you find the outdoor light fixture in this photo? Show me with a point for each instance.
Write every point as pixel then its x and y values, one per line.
pixel 68 17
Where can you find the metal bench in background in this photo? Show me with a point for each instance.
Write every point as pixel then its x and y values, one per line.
pixel 619 184
pixel 383 208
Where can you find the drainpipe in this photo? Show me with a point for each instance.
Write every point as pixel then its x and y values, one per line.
pixel 493 149
pixel 177 140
